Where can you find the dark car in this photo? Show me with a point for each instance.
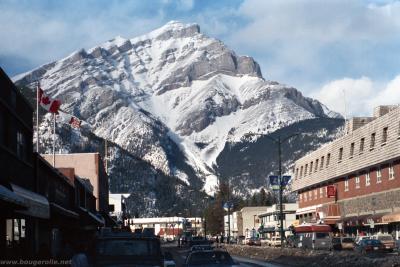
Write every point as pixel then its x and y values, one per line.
pixel 115 251
pixel 370 246
pixel 209 258
pixel 336 243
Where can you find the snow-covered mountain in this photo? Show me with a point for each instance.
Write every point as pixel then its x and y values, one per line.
pixel 172 88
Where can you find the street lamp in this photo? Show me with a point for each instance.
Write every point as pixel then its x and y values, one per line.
pixel 279 142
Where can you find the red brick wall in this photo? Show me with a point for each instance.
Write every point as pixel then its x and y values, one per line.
pixel 374 187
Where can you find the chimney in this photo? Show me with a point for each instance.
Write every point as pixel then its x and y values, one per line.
pixel 382 110
pixel 357 122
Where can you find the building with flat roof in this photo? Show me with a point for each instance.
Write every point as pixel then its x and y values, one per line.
pixel 87 166
pixel 270 223
pixel 353 183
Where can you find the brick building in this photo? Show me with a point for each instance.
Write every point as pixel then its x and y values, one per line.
pixel 362 170
pixel 87 166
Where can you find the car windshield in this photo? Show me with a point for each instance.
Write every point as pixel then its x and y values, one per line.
pixel 210 257
pixel 127 247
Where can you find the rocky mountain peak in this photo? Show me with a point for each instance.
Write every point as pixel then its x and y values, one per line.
pixel 172 97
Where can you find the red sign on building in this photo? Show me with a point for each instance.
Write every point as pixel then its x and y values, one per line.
pixel 331 191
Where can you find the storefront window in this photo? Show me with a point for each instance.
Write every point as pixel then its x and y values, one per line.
pixel 15 232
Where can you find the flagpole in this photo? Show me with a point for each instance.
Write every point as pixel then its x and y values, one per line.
pixel 37 117
pixel 54 140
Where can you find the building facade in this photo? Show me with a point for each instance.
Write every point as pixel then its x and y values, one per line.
pixel 248 220
pixel 87 166
pixel 353 183
pixel 270 223
pixel 22 208
pixel 233 222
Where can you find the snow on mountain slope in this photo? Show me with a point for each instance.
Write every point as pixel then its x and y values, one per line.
pixel 173 86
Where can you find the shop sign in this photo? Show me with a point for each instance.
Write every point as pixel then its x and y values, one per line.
pixel 331 191
pixel 390 218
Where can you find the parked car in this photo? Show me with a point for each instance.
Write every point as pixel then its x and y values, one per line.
pixel 359 238
pixel 339 243
pixel 387 240
pixel 275 241
pixel 209 258
pixel 314 236
pixel 369 246
pixel 347 243
pixel 253 241
pixel 113 250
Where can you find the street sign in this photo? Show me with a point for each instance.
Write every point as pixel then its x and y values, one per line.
pixel 331 191
pixel 274 182
pixel 228 205
pixel 285 180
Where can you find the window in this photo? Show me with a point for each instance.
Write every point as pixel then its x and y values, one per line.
pixel 328 159
pixel 322 162
pixel 362 142
pixel 297 173
pixel 305 197
pixel 367 179
pixel 321 192
pixel 384 135
pixel 305 170
pixel 357 182
pixel 351 150
pixel 300 197
pixel 301 171
pixel 372 143
pixel 378 175
pixel 311 165
pixel 309 195
pixel 315 193
pixel 340 154
pixel 21 146
pixel 346 184
pixel 316 165
pixel 391 171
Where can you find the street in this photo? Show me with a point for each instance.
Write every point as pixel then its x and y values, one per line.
pixel 180 254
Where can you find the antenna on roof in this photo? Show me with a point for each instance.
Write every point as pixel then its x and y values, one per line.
pixel 346 126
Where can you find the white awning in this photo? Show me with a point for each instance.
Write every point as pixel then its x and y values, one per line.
pixel 9 196
pixel 37 205
pixel 309 209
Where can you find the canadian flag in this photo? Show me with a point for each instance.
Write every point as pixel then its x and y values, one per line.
pixel 51 105
pixel 67 118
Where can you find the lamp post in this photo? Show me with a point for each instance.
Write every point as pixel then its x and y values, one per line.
pixel 279 141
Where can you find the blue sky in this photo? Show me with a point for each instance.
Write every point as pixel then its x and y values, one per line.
pixel 323 48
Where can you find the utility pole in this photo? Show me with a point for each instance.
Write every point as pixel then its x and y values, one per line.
pixel 229 216
pixel 280 191
pixel 279 142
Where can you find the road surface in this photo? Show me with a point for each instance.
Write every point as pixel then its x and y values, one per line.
pixel 180 254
